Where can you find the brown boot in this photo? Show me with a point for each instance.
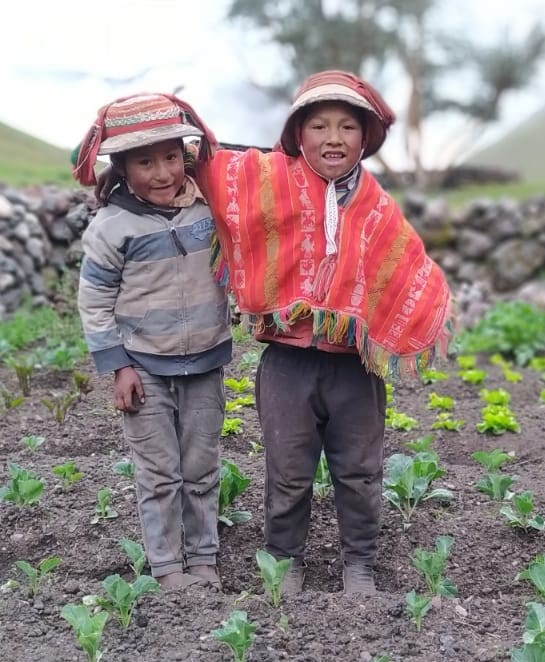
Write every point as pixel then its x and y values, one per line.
pixel 176 580
pixel 358 579
pixel 293 581
pixel 206 575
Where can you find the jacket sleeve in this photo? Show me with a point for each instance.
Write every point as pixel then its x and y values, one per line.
pixel 100 279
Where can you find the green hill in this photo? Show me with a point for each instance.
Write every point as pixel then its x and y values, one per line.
pixel 27 160
pixel 522 150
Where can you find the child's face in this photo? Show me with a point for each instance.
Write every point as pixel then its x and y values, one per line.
pixel 331 137
pixel 156 172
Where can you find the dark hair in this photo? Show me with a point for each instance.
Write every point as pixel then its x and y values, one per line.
pixel 118 159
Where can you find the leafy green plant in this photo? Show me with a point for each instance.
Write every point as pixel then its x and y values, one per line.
pixel 431 564
pixel 59 404
pixel 32 442
pixel 497 419
pixel 25 487
pixel 520 514
pixel 322 485
pixel 239 385
pixel 61 355
pixel 390 389
pixel 23 366
pixel 494 459
pixel 255 448
pixel 512 376
pixel 533 637
pixel 542 395
pixel 68 473
pixel 237 633
pixel 399 421
pixel 35 575
pixel 124 468
pixel 535 573
pixel 81 382
pixel 537 363
pixel 417 607
pixel 103 507
pixel 431 376
pixel 272 573
pixel 443 402
pixel 249 359
pixel 232 485
pixel 496 397
pixel 122 596
pixel 466 362
pixel 87 627
pixel 421 444
pixel 240 333
pixel 136 554
pixel 408 481
pixel 473 376
pixel 10 400
pixel 444 421
pixel 496 485
pixel 231 426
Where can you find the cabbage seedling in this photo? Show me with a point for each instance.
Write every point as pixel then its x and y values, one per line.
pixel 103 509
pixel 417 607
pixel 68 473
pixel 36 574
pixel 124 468
pixel 431 565
pixel 237 633
pixel 421 444
pixel 11 401
pixel 322 485
pixel 232 485
pixel 249 359
pixel 520 514
pixel 24 488
pixel 121 596
pixel 535 573
pixel 533 637
pixel 32 442
pixel 87 628
pixel 60 404
pixel 496 486
pixel 136 554
pixel 272 574
pixel 493 460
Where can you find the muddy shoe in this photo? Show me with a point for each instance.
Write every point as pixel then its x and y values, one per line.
pixel 205 575
pixel 292 584
pixel 358 579
pixel 176 580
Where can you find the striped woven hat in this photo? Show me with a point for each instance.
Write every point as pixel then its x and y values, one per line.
pixel 138 120
pixel 336 85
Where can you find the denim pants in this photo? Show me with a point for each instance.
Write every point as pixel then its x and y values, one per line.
pixel 309 401
pixel 174 440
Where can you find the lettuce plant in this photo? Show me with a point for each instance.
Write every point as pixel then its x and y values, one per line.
pixel 68 473
pixel 444 421
pixel 473 376
pixel 87 627
pixel 239 385
pixel 495 397
pixel 496 486
pixel 25 487
pixel 399 421
pixel 272 573
pixel 255 448
pixel 430 564
pixel 432 376
pixel 466 362
pixel 232 485
pixel 521 513
pixel 443 402
pixel 494 459
pixel 417 606
pixel 35 575
pixel 231 426
pixel 237 633
pixel 497 419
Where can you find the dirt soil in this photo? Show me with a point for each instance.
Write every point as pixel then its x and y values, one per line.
pixel 483 623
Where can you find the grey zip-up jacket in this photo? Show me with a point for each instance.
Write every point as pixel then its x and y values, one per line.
pixel 146 290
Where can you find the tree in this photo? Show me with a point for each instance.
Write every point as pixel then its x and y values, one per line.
pixel 366 36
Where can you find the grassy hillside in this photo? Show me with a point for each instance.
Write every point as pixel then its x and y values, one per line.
pixel 27 160
pixel 522 149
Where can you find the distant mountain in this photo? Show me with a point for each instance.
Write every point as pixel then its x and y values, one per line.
pixel 521 150
pixel 28 160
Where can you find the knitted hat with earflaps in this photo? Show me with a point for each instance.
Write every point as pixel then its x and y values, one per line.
pixel 135 121
pixel 339 86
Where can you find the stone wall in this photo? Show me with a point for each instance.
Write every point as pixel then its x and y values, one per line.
pixel 489 250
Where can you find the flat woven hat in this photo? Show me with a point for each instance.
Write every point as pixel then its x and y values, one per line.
pixel 339 86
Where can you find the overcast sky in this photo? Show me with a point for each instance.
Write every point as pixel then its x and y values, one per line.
pixel 62 59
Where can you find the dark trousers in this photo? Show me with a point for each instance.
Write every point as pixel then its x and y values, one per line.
pixel 307 401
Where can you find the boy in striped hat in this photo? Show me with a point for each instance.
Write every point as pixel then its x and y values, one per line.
pixel 154 316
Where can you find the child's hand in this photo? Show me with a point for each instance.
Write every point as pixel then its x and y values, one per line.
pixel 106 180
pixel 128 390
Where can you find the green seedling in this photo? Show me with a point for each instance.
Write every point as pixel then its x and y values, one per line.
pixel 497 419
pixel 231 426
pixel 11 401
pixel 237 633
pixel 535 573
pixel 496 397
pixel 430 564
pixel 32 442
pixel 87 627
pixel 81 382
pixel 408 481
pixel 533 637
pixel 499 360
pixel 25 487
pixel 23 367
pixel 35 575
pixel 493 460
pixel 232 485
pixel 272 574
pixel 542 395
pixel 249 359
pixel 322 485
pixel 68 473
pixel 103 508
pixel 432 376
pixel 239 385
pixel 521 513
pixel 381 658
pixel 421 444
pixel 136 554
pixel 528 653
pixel 238 403
pixel 231 406
pixel 240 333
pixel 512 376
pixel 466 362
pixel 390 389
pixel 537 363
pixel 443 402
pixel 473 376
pixel 60 404
pixel 124 468
pixel 417 606
pixel 122 596
pixel 444 421
pixel 399 421
pixel 255 448
pixel 496 486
